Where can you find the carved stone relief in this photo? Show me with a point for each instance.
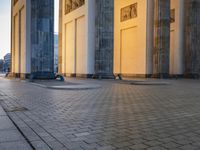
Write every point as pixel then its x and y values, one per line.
pixel 172 15
pixel 71 5
pixel 15 1
pixel 129 12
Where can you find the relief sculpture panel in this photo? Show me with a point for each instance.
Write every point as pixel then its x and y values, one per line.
pixel 172 15
pixel 71 5
pixel 15 1
pixel 129 12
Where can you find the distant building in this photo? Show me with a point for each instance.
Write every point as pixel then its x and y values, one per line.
pixel 56 52
pixel 7 62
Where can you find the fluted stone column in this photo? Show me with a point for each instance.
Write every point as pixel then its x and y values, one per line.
pixel 32 38
pixel 11 45
pixel 104 24
pixel 60 38
pixel 161 38
pixel 42 38
pixel 192 38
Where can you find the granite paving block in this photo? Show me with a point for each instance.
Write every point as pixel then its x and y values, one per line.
pixel 2 112
pixel 6 124
pixel 10 136
pixel 116 116
pixel 18 145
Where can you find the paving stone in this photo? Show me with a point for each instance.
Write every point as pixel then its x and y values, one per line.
pixel 122 144
pixel 10 136
pixel 124 148
pixel 153 143
pixel 82 134
pixel 6 124
pixel 40 145
pixel 56 145
pixel 183 142
pixel 2 112
pixel 171 145
pixel 138 147
pixel 106 148
pixel 116 116
pixel 18 145
pixel 90 146
pixel 30 134
pixel 189 147
pixel 156 148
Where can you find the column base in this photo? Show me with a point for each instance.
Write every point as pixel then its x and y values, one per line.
pixel 103 76
pixel 74 75
pixel 22 76
pixel 176 76
pixel 161 75
pixel 84 75
pixel 133 75
pixel 37 75
pixel 70 75
pixel 42 75
pixel 192 75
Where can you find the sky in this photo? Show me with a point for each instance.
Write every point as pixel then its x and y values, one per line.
pixel 5 25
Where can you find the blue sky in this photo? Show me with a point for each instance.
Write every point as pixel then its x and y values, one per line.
pixel 5 25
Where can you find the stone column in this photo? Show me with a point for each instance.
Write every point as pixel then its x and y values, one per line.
pixel 60 38
pixel 161 38
pixel 104 24
pixel 11 45
pixel 42 38
pixel 192 36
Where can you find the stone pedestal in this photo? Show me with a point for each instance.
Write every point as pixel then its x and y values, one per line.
pixel 192 36
pixel 104 24
pixel 161 38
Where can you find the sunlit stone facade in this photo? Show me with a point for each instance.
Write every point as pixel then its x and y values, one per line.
pixel 141 38
pixel 107 38
pixel 78 38
pixel 133 37
pixel 32 38
pixel 177 38
pixel 86 38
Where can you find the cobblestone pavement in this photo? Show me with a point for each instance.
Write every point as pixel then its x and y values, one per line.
pixel 117 116
pixel 10 137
